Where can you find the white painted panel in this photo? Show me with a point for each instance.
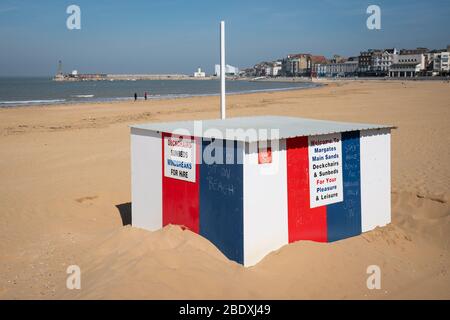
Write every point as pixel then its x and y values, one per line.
pixel 375 178
pixel 146 179
pixel 265 202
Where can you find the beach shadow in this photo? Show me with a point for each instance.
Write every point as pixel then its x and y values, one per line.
pixel 125 212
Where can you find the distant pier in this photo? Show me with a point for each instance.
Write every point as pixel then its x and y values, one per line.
pixel 125 77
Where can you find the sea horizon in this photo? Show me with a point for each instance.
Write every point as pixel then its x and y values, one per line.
pixel 18 91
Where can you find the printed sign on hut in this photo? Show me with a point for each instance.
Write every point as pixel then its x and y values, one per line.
pixel 325 167
pixel 179 158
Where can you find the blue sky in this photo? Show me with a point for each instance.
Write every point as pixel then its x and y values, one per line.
pixel 176 36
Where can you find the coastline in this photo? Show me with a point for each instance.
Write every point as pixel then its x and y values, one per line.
pixel 309 84
pixel 60 102
pixel 66 189
pixel 92 99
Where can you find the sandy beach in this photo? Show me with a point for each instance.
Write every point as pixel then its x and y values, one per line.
pixel 65 197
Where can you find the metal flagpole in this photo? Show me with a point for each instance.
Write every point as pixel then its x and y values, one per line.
pixel 222 70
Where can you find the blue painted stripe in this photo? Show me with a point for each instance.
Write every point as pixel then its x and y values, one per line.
pixel 221 202
pixel 344 218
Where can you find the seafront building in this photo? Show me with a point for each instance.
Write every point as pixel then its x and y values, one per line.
pixel 229 70
pixel 343 69
pixel 441 63
pixel 365 60
pixel 264 69
pixel 273 69
pixel 199 73
pixel 384 61
pixel 376 62
pixel 316 63
pixel 297 65
pixel 336 67
pixel 407 65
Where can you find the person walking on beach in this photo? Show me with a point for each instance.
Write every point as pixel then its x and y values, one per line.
pixel 145 95
pixel 135 96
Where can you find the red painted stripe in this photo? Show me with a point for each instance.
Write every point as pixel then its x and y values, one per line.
pixel 180 199
pixel 304 223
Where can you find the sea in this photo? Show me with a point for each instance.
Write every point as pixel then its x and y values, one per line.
pixel 26 91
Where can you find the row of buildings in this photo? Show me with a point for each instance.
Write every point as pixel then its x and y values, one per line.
pixel 370 63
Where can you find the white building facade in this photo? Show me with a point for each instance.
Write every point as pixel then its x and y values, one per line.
pixel 274 69
pixel 441 62
pixel 199 73
pixel 339 69
pixel 229 70
pixel 387 59
pixel 407 65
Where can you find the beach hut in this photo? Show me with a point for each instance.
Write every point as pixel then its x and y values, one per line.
pixel 253 184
